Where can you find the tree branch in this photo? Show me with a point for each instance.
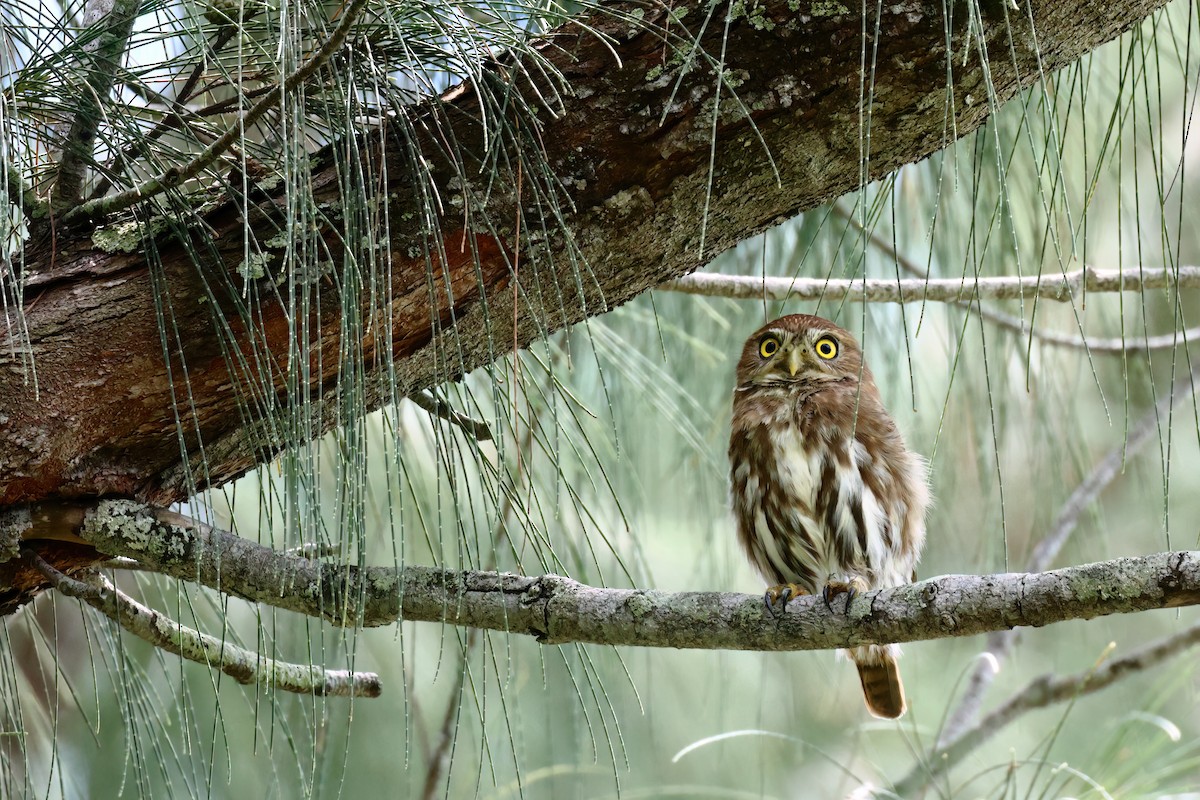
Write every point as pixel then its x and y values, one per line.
pixel 178 115
pixel 1043 691
pixel 1060 288
pixel 177 175
pixel 244 666
pixel 438 407
pixel 100 59
pixel 960 292
pixel 1000 643
pixel 965 293
pixel 21 193
pixel 557 610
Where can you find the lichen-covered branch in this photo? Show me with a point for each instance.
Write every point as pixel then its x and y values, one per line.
pixel 244 666
pixel 558 610
pixel 21 193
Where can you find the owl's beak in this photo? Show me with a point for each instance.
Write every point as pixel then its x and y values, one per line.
pixel 793 360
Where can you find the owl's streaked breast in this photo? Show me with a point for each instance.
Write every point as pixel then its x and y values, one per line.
pixel 804 512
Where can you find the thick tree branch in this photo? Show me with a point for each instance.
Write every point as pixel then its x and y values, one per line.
pixel 244 666
pixel 632 140
pixel 557 610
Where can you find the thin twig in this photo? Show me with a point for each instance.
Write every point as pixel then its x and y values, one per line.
pixel 1014 323
pixel 1000 643
pixel 1043 691
pixel 439 757
pixel 173 119
pixel 244 666
pixel 964 293
pixel 443 410
pixel 175 176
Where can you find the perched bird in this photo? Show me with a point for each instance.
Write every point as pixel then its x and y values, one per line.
pixel 826 495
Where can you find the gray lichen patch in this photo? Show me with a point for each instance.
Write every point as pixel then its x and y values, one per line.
pixel 640 605
pixel 629 201
pixel 127 237
pixel 828 8
pixel 133 525
pixel 13 524
pixel 255 266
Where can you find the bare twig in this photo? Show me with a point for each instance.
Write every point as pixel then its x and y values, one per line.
pixel 175 176
pixel 1060 288
pixel 244 666
pixel 965 293
pixel 1014 323
pixel 1000 643
pixel 439 408
pixel 1043 691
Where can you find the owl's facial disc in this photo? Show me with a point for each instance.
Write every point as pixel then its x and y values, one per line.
pixel 797 357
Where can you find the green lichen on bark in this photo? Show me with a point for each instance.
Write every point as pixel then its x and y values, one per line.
pixel 828 8
pixel 13 525
pixel 131 524
pixel 127 236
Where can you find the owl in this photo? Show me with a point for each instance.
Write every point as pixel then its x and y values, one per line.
pixel 826 496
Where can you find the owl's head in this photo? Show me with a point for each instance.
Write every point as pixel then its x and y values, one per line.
pixel 798 349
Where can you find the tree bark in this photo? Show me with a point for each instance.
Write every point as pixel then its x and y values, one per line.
pixel 633 145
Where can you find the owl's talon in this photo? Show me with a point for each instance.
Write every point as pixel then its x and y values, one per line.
pixel 779 595
pixel 849 587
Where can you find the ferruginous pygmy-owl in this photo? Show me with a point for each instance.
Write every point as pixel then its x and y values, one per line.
pixel 827 496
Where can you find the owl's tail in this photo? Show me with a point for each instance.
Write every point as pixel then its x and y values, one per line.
pixel 880 675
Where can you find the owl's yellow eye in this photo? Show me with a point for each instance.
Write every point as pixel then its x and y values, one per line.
pixel 826 347
pixel 768 347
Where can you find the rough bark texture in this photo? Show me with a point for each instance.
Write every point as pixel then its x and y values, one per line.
pixel 558 610
pixel 103 420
